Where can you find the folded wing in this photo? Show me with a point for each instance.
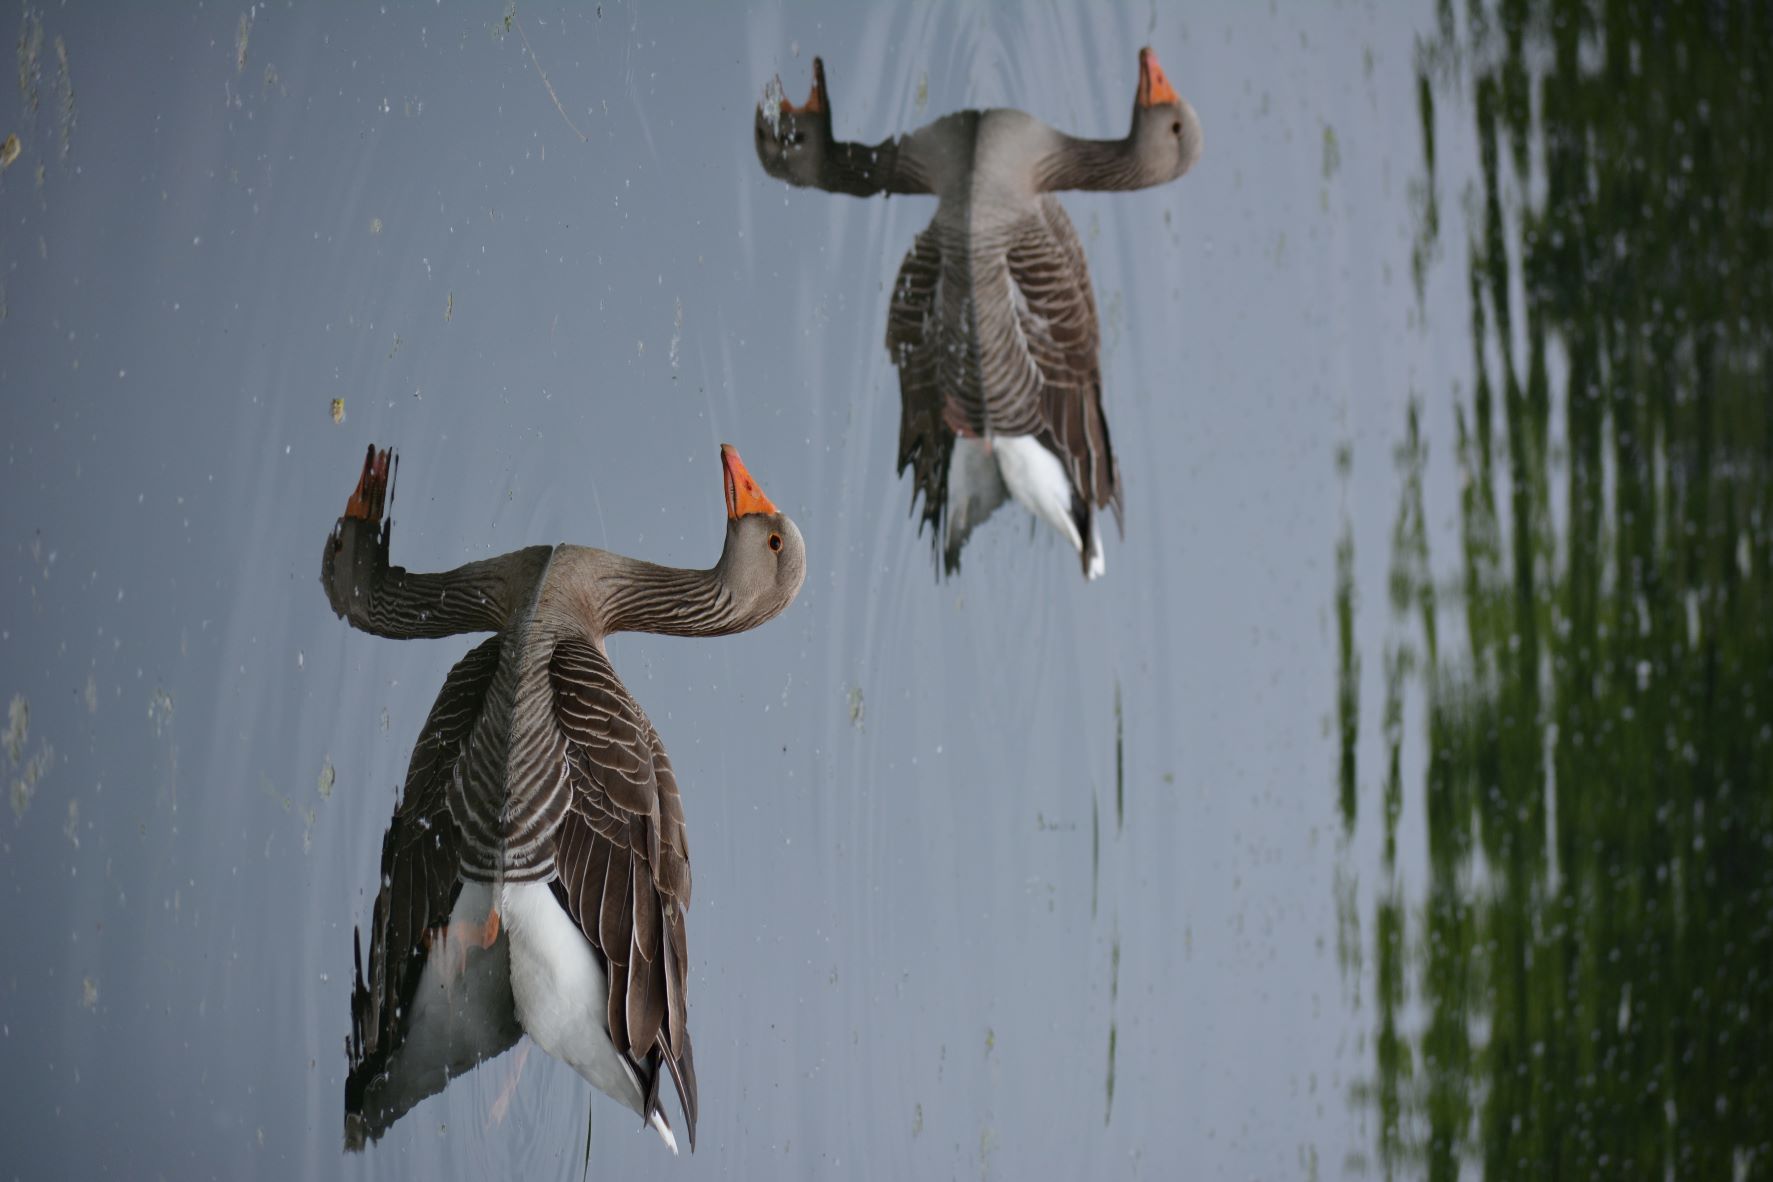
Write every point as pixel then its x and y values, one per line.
pixel 623 863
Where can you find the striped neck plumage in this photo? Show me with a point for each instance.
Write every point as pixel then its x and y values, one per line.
pixel 1094 164
pixel 863 170
pixel 669 601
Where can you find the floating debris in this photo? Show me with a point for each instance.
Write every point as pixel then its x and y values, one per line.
pixel 1108 1112
pixel 18 731
pixel 72 829
pixel 676 332
pixel 89 993
pixel 1114 967
pixel 64 83
pixel 30 71
pixel 917 1118
pixel 338 410
pixel 18 728
pixel 90 694
pixel 856 706
pixel 375 225
pixel 9 150
pixel 240 38
pixel 449 308
pixel 39 765
pixel 326 779
pixel 1095 851
pixel 160 710
pixel 1120 764
pixel 1113 1030
pixel 512 21
pixel 1348 680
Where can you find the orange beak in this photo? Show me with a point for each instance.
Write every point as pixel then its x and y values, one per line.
pixel 743 497
pixel 815 102
pixel 1154 89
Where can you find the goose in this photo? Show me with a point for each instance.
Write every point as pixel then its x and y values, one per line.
pixel 992 324
pixel 541 815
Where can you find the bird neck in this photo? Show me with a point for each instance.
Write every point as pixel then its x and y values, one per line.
pixel 863 170
pixel 1093 164
pixel 667 600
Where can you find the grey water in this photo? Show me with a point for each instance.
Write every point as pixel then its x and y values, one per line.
pixel 1400 803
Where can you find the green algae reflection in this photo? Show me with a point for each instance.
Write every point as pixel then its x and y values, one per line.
pixel 1583 986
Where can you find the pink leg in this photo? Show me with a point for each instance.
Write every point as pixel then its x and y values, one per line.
pixel 452 941
pixel 502 1105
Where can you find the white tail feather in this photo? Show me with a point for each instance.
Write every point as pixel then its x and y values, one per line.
pixel 657 1121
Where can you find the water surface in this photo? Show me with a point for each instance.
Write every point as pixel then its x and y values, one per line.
pixel 1418 721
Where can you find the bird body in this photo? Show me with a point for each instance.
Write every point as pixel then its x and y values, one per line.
pixel 993 324
pixel 541 823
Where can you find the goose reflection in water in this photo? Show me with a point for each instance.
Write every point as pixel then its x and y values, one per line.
pixel 993 322
pixel 536 873
pixel 434 1002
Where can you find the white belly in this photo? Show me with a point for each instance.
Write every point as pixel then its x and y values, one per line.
pixel 561 991
pixel 1038 481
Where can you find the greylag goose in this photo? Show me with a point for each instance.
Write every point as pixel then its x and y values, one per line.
pixel 993 324
pixel 542 785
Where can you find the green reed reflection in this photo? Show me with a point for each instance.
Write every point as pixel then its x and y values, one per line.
pixel 1584 986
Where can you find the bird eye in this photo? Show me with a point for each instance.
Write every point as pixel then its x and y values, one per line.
pixel 1176 127
pixel 776 543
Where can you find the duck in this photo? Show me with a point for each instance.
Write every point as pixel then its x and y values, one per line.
pixel 992 323
pixel 540 851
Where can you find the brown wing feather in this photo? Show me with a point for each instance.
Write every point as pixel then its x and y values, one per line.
pixel 624 864
pixel 1057 322
pixel 914 341
pixel 421 858
pixel 999 335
